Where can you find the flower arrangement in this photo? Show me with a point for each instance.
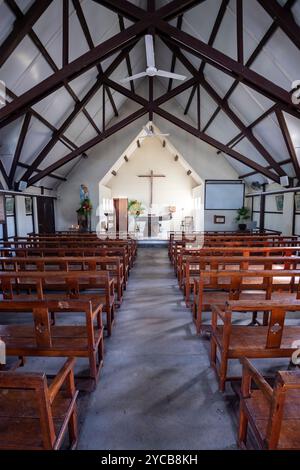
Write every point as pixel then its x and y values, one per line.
pixel 85 207
pixel 135 208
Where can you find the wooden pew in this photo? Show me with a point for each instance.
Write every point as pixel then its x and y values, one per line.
pixel 35 415
pixel 83 244
pixel 128 243
pixel 110 236
pixel 217 287
pixel 63 252
pixel 201 240
pixel 272 413
pixel 102 263
pixel 232 341
pixel 193 255
pixel 234 251
pixel 41 338
pixel 192 267
pixel 87 285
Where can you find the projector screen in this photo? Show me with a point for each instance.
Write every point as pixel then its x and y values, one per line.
pixel 224 195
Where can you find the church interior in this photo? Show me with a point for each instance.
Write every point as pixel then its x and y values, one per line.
pixel 149 225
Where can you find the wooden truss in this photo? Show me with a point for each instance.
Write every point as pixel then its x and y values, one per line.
pixel 157 22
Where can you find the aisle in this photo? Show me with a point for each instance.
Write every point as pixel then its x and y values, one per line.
pixel 157 390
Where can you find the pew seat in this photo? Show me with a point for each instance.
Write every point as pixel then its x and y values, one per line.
pixel 35 414
pixel 220 297
pixel 213 286
pixel 272 413
pixel 251 341
pixel 86 285
pixel 22 338
pixel 230 340
pixel 95 299
pixel 35 336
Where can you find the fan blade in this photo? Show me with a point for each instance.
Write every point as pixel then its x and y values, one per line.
pixel 148 132
pixel 174 76
pixel 149 50
pixel 134 77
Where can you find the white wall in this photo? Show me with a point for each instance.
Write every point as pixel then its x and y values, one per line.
pixel 104 193
pixel 89 172
pixel 230 223
pixel 24 222
pixel 202 158
pixel 279 222
pixel 297 224
pixel 175 189
pixel 198 211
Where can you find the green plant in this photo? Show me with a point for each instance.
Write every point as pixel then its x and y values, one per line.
pixel 242 214
pixel 135 207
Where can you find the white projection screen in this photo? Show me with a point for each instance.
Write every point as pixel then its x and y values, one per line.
pixel 224 195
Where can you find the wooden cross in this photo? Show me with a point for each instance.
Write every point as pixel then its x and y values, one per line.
pixel 151 176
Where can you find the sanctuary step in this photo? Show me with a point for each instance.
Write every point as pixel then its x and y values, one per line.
pixel 152 242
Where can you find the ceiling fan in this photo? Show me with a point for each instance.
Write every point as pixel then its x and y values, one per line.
pixel 150 133
pixel 151 70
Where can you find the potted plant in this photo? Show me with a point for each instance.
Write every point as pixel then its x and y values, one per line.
pixel 243 214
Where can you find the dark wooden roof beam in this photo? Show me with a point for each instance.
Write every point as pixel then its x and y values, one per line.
pixel 91 143
pixel 240 31
pixel 39 45
pixel 226 109
pixel 72 116
pixel 230 66
pixel 267 36
pixel 4 174
pixel 90 42
pixel 133 13
pixel 63 139
pixel 21 28
pixel 128 62
pixel 216 144
pixel 237 138
pixel 19 148
pixel 213 35
pixel 173 62
pixel 288 141
pixel 283 18
pixel 71 71
pixel 64 126
pixel 51 175
pixel 65 32
pixel 252 173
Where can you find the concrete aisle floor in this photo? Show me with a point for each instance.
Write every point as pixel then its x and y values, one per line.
pixel 157 390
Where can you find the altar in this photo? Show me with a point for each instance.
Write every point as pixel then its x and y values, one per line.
pixel 151 224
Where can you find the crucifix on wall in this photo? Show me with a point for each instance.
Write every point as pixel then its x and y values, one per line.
pixel 151 176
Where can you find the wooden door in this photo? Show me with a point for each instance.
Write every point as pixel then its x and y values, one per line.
pixel 121 213
pixel 45 212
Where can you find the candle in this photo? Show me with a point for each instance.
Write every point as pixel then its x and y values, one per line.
pixel 2 352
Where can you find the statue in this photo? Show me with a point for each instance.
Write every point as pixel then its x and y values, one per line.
pixel 84 192
pixel 85 210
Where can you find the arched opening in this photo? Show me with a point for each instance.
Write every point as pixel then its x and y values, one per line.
pixel 157 188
